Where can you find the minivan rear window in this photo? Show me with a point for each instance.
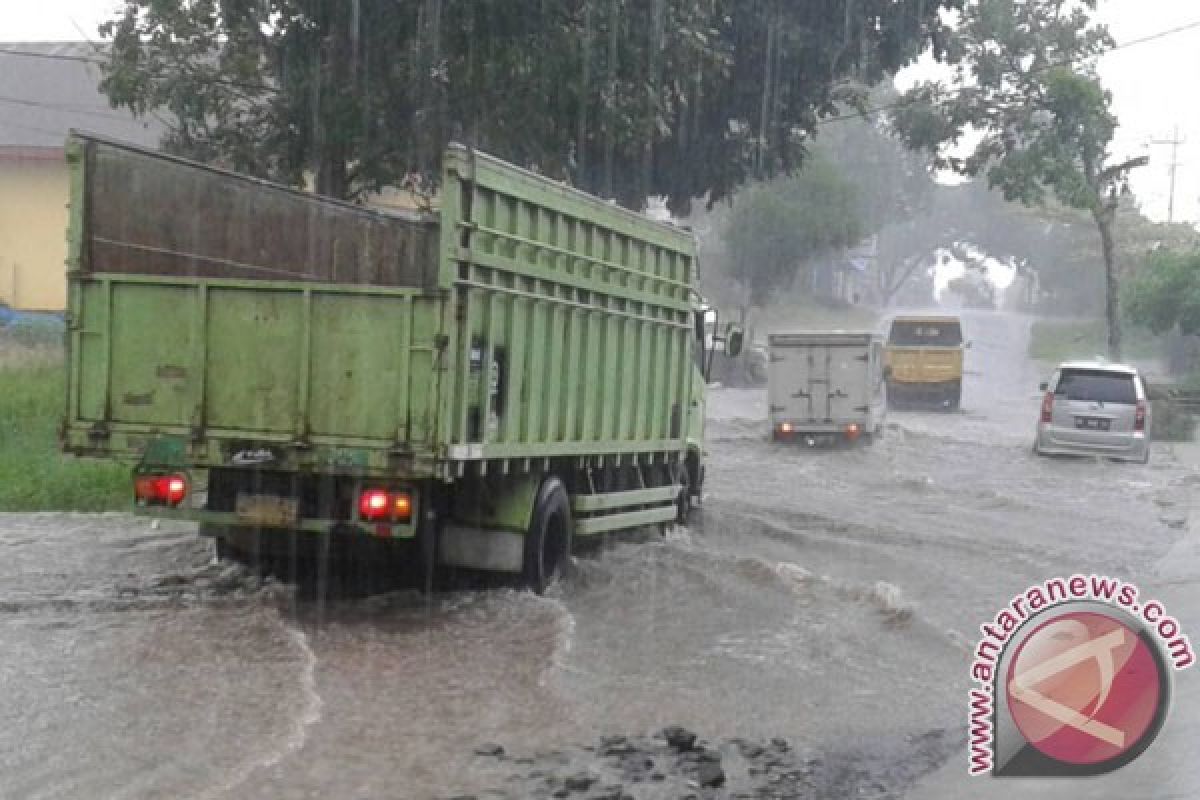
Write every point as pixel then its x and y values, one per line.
pixel 925 333
pixel 1097 386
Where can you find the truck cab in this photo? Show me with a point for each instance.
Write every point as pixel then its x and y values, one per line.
pixel 714 353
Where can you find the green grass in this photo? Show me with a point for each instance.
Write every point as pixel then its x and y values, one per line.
pixel 34 474
pixel 1059 340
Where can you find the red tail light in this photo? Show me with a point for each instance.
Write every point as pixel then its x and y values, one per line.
pixel 160 490
pixel 1139 416
pixel 1048 407
pixel 380 505
pixel 373 504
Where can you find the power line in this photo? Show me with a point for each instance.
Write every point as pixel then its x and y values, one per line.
pixel 1053 65
pixel 10 51
pixel 1156 36
pixel 64 107
pixel 30 128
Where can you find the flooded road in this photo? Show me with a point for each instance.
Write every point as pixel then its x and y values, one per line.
pixel 827 597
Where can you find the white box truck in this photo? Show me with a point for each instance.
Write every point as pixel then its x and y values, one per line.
pixel 826 387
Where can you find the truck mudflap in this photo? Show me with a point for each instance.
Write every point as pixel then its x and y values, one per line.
pixel 481 548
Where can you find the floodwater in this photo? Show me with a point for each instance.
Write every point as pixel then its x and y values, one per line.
pixel 828 597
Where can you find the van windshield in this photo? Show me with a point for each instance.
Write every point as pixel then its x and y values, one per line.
pixel 1097 386
pixel 925 333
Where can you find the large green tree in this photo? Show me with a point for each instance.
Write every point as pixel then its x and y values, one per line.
pixel 777 228
pixel 625 98
pixel 859 180
pixel 1025 83
pixel 895 191
pixel 1165 294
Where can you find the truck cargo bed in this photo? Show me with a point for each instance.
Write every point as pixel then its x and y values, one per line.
pixel 213 314
pixel 825 382
pixel 145 213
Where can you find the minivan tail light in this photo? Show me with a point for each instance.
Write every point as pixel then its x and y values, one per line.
pixel 1139 416
pixel 1048 407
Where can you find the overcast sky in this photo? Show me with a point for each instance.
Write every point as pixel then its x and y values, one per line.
pixel 1151 83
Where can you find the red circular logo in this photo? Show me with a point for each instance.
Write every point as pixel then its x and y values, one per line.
pixel 1084 688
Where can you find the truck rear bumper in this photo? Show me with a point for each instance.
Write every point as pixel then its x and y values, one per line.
pixel 223 518
pixel 938 394
pixel 215 520
pixel 247 500
pixel 1066 442
pixel 824 433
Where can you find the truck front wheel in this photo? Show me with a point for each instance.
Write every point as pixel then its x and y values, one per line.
pixel 548 541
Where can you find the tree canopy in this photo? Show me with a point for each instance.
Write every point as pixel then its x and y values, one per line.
pixel 625 98
pixel 777 227
pixel 1025 82
pixel 858 179
pixel 1166 293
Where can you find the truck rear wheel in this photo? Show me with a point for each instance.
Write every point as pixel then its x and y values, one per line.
pixel 548 541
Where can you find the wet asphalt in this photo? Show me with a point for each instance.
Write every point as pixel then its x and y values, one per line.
pixel 826 598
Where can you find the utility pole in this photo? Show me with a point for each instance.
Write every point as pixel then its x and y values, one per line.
pixel 1174 141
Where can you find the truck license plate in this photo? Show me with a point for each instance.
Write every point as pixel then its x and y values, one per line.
pixel 268 511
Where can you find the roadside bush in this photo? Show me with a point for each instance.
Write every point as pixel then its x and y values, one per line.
pixel 1174 409
pixel 1172 422
pixel 1062 340
pixel 34 474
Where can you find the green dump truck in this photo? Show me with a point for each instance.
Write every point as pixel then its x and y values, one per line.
pixel 484 381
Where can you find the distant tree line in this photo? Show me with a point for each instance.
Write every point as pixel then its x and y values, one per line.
pixel 1024 90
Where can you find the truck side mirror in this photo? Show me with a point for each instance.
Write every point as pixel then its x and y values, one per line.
pixel 967 345
pixel 733 341
pixel 1043 386
pixel 887 372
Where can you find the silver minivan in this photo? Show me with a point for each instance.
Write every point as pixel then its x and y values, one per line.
pixel 1095 408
